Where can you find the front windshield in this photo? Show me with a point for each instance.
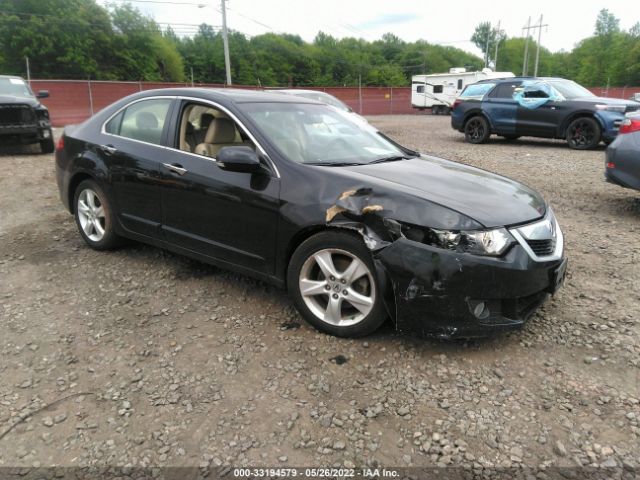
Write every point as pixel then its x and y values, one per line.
pixel 569 89
pixel 323 98
pixel 320 135
pixel 16 87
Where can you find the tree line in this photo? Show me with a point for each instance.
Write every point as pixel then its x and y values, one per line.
pixel 81 39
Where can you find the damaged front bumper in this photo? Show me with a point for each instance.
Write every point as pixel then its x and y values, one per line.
pixel 447 294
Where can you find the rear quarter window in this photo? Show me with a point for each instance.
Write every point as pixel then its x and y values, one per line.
pixel 477 91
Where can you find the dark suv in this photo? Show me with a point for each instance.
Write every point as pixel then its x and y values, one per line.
pixel 23 119
pixel 538 107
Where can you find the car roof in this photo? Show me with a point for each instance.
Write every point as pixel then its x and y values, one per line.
pixel 293 91
pixel 11 76
pixel 518 78
pixel 235 95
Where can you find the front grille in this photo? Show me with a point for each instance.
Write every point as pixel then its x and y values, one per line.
pixel 17 114
pixel 544 247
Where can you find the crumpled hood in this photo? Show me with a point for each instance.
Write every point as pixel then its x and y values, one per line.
pixel 487 198
pixel 10 99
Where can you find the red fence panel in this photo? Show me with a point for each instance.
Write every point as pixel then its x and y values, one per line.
pixel 73 101
pixel 615 92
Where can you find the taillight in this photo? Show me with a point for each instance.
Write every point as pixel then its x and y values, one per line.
pixel 611 165
pixel 60 144
pixel 630 125
pixel 457 102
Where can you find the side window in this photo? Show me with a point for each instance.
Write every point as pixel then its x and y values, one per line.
pixel 205 130
pixel 437 89
pixel 459 84
pixel 535 94
pixel 505 90
pixel 420 89
pixel 142 121
pixel 113 126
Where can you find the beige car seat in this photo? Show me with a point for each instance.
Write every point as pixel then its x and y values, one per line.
pixel 221 133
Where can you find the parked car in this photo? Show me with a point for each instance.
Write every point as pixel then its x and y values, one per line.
pixel 635 97
pixel 622 165
pixel 23 119
pixel 322 97
pixel 538 107
pixel 294 192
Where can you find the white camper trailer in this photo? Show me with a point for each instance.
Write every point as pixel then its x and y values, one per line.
pixel 439 90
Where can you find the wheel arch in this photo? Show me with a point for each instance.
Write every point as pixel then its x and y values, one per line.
pixel 474 113
pixel 76 180
pixel 562 133
pixel 384 282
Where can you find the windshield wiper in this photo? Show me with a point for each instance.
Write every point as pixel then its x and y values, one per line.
pixel 394 158
pixel 334 164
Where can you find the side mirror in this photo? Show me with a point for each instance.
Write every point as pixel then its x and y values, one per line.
pixel 238 159
pixel 43 94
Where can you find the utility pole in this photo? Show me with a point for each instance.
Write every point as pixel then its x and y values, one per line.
pixel 528 28
pixel 192 76
pixel 540 25
pixel 526 49
pixel 486 48
pixel 225 41
pixel 28 71
pixel 495 55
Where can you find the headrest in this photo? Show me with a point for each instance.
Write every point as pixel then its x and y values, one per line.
pixel 221 130
pixel 146 120
pixel 205 120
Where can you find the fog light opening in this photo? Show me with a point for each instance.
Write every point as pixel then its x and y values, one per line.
pixel 479 309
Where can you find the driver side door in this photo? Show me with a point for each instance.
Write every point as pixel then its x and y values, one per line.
pixel 231 217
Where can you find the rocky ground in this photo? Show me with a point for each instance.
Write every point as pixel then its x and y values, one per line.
pixel 139 357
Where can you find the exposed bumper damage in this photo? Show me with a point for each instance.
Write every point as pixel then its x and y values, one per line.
pixel 440 293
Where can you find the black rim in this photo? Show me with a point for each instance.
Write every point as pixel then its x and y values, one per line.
pixel 475 129
pixel 581 134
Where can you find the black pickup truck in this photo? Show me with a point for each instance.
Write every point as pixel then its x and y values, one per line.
pixel 23 119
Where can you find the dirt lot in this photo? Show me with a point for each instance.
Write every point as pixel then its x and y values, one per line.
pixel 184 364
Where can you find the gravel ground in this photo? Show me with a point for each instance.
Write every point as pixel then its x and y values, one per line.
pixel 172 362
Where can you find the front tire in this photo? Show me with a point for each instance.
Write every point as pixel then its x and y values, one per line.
pixel 94 216
pixel 583 133
pixel 47 145
pixel 476 130
pixel 331 279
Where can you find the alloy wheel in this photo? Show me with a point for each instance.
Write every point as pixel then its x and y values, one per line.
pixel 337 287
pixel 91 215
pixel 582 133
pixel 475 129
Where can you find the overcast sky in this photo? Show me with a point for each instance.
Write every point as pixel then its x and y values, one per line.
pixel 445 22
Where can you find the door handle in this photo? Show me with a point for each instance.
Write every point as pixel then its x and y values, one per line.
pixel 108 149
pixel 175 168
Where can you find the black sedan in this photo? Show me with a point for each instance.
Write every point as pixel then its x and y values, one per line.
pixel 623 155
pixel 294 192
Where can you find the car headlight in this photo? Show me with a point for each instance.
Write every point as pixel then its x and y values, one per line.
pixel 612 108
pixel 492 243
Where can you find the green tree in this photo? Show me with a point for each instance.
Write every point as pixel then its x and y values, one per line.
pixel 485 38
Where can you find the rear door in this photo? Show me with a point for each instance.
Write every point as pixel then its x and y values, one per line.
pixel 502 108
pixel 133 150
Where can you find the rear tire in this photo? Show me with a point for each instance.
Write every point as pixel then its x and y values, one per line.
pixel 94 216
pixel 47 145
pixel 476 130
pixel 332 281
pixel 583 133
